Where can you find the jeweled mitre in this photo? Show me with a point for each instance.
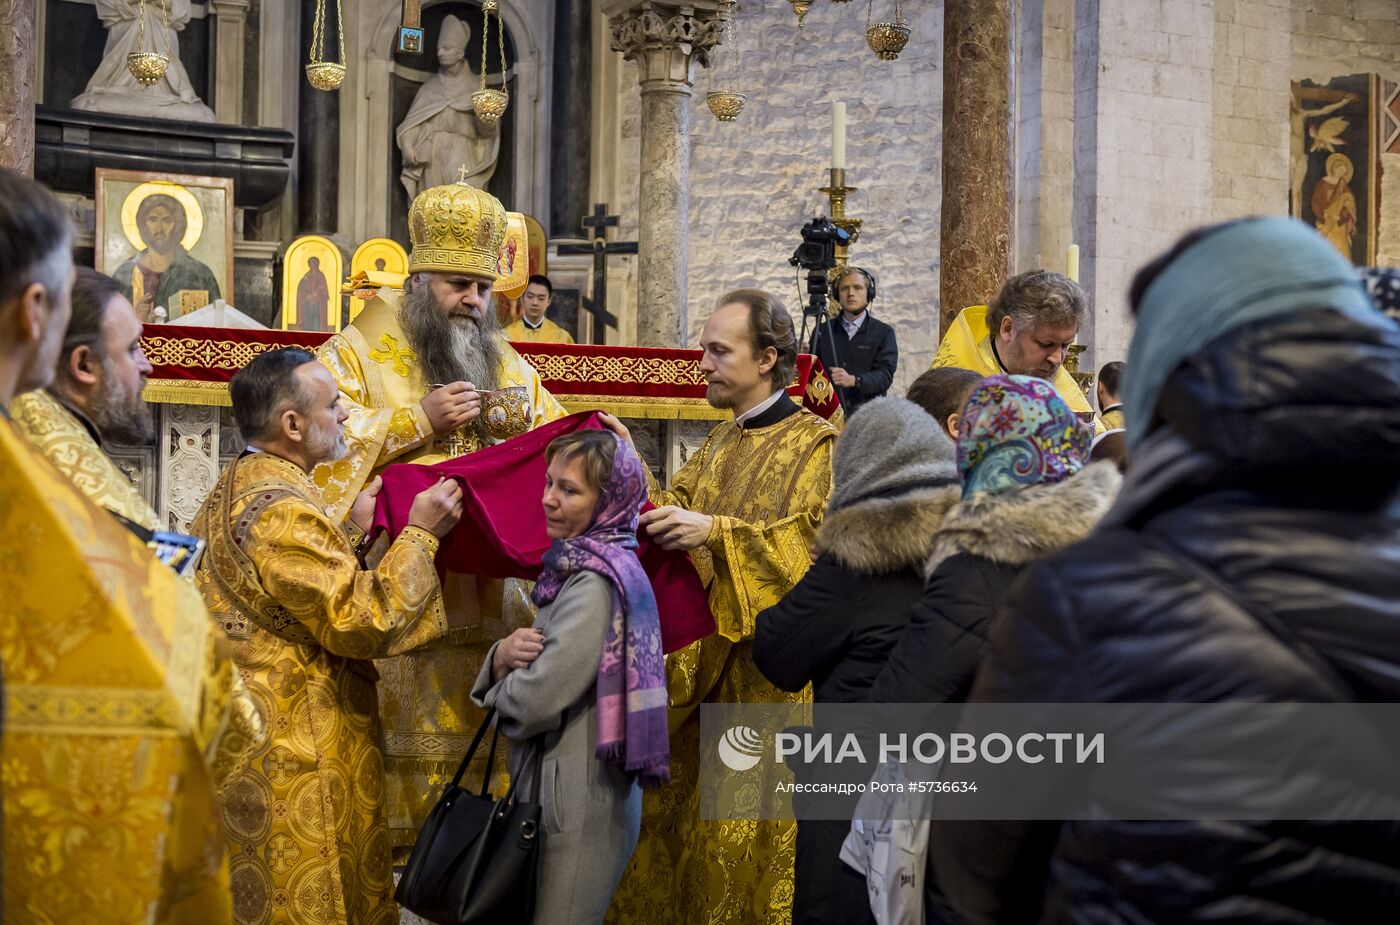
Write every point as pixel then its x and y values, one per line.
pixel 456 228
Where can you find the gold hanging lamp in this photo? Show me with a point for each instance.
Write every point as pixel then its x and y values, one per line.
pixel 149 66
pixel 800 7
pixel 727 102
pixel 489 104
pixel 887 39
pixel 321 73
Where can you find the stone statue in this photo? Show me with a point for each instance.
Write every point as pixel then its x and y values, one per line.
pixel 113 89
pixel 441 133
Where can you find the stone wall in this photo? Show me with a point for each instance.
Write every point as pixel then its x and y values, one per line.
pixel 754 181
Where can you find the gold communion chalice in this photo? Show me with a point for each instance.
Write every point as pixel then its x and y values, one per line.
pixel 506 412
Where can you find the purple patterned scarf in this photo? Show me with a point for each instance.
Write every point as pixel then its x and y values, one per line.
pixel 632 672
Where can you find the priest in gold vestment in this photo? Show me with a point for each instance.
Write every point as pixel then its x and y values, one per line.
pixel 747 506
pixel 305 822
pixel 117 730
pixel 1026 331
pixel 414 369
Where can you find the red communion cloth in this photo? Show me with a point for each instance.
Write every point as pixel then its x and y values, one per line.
pixel 502 530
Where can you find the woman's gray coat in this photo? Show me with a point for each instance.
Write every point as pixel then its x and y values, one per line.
pixel 591 809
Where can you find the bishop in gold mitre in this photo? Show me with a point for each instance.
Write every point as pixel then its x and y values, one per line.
pixel 117 725
pixel 413 368
pixel 747 507
pixel 1026 331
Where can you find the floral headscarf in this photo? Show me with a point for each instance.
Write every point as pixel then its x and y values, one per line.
pixel 632 672
pixel 1017 431
pixel 1383 286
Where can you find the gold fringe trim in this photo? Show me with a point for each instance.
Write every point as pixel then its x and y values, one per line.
pixel 184 392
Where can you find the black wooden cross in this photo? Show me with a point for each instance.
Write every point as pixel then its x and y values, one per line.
pixel 601 248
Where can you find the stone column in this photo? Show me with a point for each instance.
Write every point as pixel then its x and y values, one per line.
pixel 17 50
pixel 978 154
pixel 665 40
pixel 230 18
pixel 318 144
pixel 571 117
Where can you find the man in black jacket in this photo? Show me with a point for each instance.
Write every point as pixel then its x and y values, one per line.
pixel 865 357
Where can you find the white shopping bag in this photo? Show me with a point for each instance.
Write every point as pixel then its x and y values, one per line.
pixel 889 845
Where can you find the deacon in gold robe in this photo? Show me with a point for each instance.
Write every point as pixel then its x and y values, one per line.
pixel 415 370
pixel 532 327
pixel 1035 317
pixel 117 730
pixel 305 821
pixel 747 506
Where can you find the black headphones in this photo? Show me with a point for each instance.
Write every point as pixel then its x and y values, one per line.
pixel 869 281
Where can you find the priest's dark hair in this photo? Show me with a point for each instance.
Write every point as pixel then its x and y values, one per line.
pixel 539 279
pixel 264 388
pixel 36 235
pixel 770 326
pixel 92 293
pixel 1111 377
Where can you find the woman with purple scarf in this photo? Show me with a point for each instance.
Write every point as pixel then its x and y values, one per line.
pixel 587 683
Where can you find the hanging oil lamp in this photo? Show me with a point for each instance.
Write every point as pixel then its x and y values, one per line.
pixel 149 66
pixel 489 103
pixel 727 102
pixel 321 73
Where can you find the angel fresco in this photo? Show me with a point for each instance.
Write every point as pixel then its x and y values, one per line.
pixel 1333 166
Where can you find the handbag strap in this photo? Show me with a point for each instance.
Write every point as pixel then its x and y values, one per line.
pixel 471 749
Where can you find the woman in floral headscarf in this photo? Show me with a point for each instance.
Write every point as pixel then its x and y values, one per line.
pixel 1020 455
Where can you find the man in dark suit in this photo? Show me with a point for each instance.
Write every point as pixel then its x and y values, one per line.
pixel 866 354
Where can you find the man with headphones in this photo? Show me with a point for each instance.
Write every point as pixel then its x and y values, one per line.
pixel 866 355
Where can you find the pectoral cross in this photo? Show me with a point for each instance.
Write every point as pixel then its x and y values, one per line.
pixel 461 173
pixel 601 249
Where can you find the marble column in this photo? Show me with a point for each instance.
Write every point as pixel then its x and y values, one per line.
pixel 318 145
pixel 230 21
pixel 665 40
pixel 17 50
pixel 571 118
pixel 979 185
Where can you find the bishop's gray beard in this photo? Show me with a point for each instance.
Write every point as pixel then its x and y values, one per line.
pixel 458 348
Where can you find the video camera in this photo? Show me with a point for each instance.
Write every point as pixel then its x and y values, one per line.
pixel 820 238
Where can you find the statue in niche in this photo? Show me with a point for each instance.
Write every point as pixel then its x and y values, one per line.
pixel 441 133
pixel 113 89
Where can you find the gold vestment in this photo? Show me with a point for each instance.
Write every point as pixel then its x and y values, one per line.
pixel 424 697
pixel 767 489
pixel 305 823
pixel 968 345
pixel 547 333
pixel 117 723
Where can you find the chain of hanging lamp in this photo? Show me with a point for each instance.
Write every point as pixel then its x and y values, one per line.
pixel 149 66
pixel 489 103
pixel 321 73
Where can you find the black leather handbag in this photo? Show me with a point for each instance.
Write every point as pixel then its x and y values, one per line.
pixel 476 857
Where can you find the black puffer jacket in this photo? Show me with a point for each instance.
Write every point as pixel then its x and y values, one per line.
pixel 1276 467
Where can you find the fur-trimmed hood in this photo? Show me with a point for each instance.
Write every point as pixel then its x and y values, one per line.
pixel 1029 523
pixel 882 535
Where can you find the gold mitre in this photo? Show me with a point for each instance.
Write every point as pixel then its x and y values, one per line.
pixel 456 228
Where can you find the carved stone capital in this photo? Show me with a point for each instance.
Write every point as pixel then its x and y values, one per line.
pixel 664 39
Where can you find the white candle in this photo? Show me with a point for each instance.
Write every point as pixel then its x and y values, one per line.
pixel 838 136
pixel 1072 263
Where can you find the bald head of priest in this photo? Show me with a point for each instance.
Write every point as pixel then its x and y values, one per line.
pixel 1033 320
pixel 36 282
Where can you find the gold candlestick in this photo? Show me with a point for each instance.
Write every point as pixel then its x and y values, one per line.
pixel 836 194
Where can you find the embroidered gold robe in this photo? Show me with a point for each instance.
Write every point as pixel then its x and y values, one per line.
pixel 424 696
pixel 968 345
pixel 68 442
pixel 767 488
pixel 305 821
pixel 117 724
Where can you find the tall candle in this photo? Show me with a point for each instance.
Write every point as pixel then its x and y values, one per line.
pixel 1072 263
pixel 838 136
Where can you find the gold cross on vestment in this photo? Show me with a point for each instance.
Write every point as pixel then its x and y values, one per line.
pixel 462 173
pixel 401 357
